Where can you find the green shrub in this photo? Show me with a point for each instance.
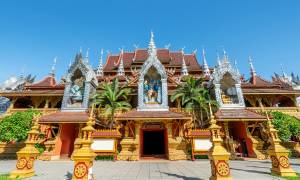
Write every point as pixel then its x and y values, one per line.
pixel 105 158
pixel 201 156
pixel 14 128
pixel 287 126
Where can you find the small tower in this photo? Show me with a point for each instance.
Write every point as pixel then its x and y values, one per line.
pixel 206 71
pixel 86 60
pixel 236 67
pixel 218 59
pixel 184 70
pixel 152 47
pixel 100 66
pixel 52 72
pixel 121 65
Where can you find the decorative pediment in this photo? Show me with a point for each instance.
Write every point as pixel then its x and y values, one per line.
pixel 153 61
pixel 86 70
pixel 222 69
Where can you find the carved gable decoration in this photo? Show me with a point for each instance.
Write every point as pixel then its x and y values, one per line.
pixel 81 83
pixel 85 69
pixel 222 69
pixel 152 85
pixel 153 61
pixel 227 85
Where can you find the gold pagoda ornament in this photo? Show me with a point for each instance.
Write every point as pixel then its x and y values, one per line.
pixel 85 156
pixel 28 154
pixel 218 155
pixel 278 154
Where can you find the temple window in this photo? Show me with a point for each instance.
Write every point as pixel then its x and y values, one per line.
pixel 228 90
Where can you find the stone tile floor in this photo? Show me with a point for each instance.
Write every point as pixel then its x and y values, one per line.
pixel 146 170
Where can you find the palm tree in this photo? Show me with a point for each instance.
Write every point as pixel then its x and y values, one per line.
pixel 112 98
pixel 194 97
pixel 186 91
pixel 202 103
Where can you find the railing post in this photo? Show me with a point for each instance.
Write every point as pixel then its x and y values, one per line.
pixel 85 156
pixel 278 154
pixel 218 155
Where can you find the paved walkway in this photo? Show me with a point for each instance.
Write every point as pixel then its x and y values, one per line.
pixel 146 170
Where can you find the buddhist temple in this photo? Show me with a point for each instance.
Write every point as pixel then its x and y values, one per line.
pixel 155 127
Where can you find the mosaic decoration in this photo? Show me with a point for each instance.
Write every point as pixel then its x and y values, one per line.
pixel 80 170
pixel 275 161
pixel 223 168
pixel 284 162
pixel 21 164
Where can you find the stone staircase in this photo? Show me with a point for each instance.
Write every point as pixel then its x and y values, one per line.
pixel 257 145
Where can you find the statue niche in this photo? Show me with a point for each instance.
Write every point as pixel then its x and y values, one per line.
pixel 152 87
pixel 76 90
pixel 228 90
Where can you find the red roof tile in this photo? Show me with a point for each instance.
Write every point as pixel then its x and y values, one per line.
pixel 199 133
pixel 48 81
pixel 238 114
pixel 65 117
pixel 134 114
pixel 164 55
pixel 111 61
pixel 107 133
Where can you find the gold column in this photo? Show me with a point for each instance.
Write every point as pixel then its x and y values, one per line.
pixel 130 145
pixel 83 158
pixel 77 142
pixel 218 155
pixel 28 154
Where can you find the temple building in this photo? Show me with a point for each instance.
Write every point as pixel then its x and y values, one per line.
pixel 155 127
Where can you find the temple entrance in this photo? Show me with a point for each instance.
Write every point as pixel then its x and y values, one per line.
pixel 69 132
pixel 153 143
pixel 237 131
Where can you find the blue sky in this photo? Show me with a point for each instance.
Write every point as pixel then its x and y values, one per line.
pixel 33 32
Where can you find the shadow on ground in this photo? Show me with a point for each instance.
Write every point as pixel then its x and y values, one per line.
pixel 251 171
pixel 69 176
pixel 181 177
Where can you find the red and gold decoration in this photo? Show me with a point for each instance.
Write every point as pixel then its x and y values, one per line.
pixel 278 154
pixel 28 154
pixel 84 156
pixel 218 155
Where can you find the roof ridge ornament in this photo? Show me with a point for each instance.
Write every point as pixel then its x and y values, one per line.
pixel 151 46
pixel 225 56
pixel 236 68
pixel 184 70
pixel 87 56
pixel 121 65
pixel 205 65
pixel 284 75
pixel 52 72
pixel 100 66
pixel 22 75
pixel 252 70
pixel 218 59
